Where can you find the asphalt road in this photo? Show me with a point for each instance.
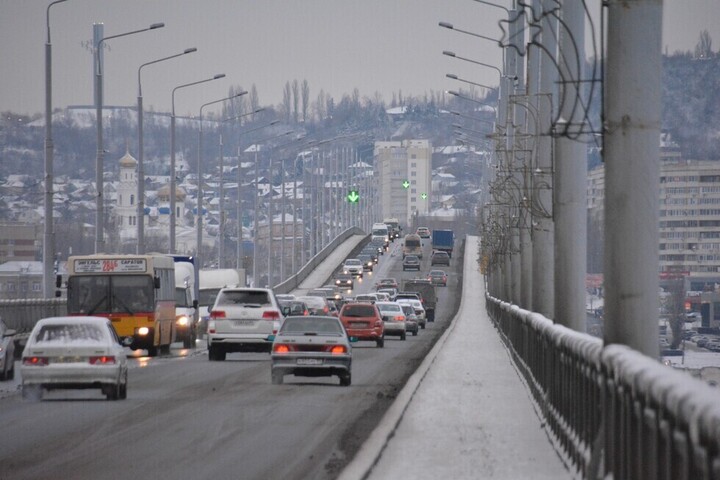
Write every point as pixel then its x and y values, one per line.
pixel 186 417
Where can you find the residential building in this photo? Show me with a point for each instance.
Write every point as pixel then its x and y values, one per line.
pixel 405 173
pixel 689 219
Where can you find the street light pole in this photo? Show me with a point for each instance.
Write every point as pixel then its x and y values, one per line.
pixel 141 156
pixel 199 205
pixel 49 235
pixel 172 156
pixel 99 211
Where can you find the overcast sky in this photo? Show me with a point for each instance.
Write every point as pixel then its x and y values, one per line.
pixel 382 46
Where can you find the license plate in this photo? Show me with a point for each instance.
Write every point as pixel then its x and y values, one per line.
pixel 66 360
pixel 243 323
pixel 358 324
pixel 309 361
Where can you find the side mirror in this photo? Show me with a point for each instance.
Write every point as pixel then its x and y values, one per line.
pixel 10 332
pixel 352 339
pixel 271 338
pixel 196 304
pixel 126 342
pixel 286 311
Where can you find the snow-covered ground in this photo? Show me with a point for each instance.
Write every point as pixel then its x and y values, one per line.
pixel 465 413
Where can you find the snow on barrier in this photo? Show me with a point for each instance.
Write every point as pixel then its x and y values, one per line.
pixel 615 412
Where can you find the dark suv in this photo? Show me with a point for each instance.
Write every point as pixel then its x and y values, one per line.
pixel 411 262
pixel 440 258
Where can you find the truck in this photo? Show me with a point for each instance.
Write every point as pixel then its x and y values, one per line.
pixel 211 280
pixel 443 240
pixel 187 314
pixel 427 290
pixel 380 231
pixel 394 227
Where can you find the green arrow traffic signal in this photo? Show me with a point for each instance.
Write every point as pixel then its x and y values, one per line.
pixel 405 184
pixel 353 196
pixel 423 196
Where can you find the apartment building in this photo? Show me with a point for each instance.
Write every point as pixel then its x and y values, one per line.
pixel 404 176
pixel 689 219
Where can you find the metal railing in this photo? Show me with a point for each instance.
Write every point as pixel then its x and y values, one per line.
pixel 614 412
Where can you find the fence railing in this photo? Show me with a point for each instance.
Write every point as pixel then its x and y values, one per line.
pixel 614 412
pixel 22 314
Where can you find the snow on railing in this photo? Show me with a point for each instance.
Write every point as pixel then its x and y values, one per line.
pixel 614 412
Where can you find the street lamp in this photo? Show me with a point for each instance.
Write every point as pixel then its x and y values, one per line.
pixel 465 97
pixel 49 235
pixel 99 213
pixel 450 26
pixel 141 162
pixel 221 204
pixel 172 154
pixel 455 77
pixel 238 261
pixel 255 205
pixel 452 54
pixel 199 213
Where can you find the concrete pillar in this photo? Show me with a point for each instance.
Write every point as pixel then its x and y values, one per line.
pixel 632 115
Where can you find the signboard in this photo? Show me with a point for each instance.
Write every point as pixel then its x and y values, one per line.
pixel 112 265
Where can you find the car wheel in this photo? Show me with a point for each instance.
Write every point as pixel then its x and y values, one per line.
pixel 5 375
pixel 215 354
pixel 112 392
pixel 32 392
pixel 422 325
pixel 123 389
pixel 188 342
pixel 277 378
pixel 152 351
pixel 402 336
pixel 415 332
pixel 164 349
pixel 380 342
pixel 345 379
pixel 11 373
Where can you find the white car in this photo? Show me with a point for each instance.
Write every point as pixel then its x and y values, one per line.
pixel 7 352
pixel 72 353
pixel 353 266
pixel 393 318
pixel 242 320
pixel 419 310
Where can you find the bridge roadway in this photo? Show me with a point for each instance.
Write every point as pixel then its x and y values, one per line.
pixel 444 404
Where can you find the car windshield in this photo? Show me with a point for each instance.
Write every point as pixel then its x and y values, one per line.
pixel 358 311
pixel 353 261
pixel 390 308
pixel 243 297
pixel 311 326
pixel 70 333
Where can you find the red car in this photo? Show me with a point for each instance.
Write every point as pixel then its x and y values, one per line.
pixel 364 322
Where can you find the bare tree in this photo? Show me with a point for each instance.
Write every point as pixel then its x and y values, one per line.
pixel 703 49
pixel 305 99
pixel 254 99
pixel 296 100
pixel 286 102
pixel 320 105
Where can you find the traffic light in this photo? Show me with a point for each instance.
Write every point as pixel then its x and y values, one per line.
pixel 423 196
pixel 406 184
pixel 353 196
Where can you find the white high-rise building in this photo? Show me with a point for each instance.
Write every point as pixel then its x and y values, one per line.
pixel 405 174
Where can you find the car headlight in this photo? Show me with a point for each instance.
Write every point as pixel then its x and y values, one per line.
pixel 142 331
pixel 182 320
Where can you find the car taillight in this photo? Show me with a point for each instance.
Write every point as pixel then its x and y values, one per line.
pixel 271 315
pixel 326 309
pixel 378 323
pixel 338 350
pixel 217 314
pixel 35 361
pixel 399 318
pixel 211 326
pixel 102 360
pixel 282 348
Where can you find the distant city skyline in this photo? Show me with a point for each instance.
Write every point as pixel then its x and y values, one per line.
pixel 380 47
